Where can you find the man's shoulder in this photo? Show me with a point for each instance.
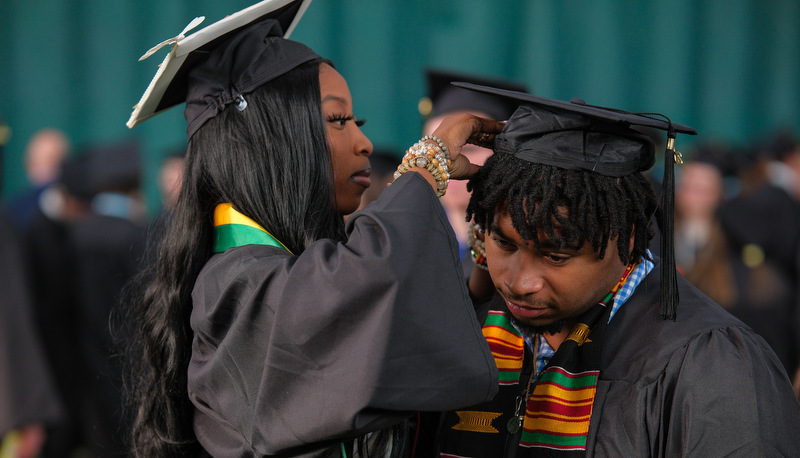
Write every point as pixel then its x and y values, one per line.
pixel 639 336
pixel 696 312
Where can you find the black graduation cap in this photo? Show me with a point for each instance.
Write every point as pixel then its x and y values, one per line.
pixel 114 166
pixel 443 97
pixel 75 176
pixel 577 136
pixel 219 64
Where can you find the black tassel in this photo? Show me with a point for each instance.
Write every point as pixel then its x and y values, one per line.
pixel 669 279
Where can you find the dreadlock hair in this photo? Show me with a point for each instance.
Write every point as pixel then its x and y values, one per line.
pixel 598 208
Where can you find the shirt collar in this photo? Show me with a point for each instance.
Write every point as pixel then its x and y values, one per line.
pixel 626 290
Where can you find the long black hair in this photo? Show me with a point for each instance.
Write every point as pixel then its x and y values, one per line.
pixel 598 208
pixel 272 163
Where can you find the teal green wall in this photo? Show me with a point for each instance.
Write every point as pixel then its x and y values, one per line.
pixel 729 68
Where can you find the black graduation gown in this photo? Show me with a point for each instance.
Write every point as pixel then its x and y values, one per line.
pixel 767 296
pixel 703 386
pixel 27 392
pixel 109 252
pixel 292 354
pixel 53 279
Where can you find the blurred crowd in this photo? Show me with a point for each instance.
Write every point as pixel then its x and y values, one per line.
pixel 78 233
pixel 71 241
pixel 737 234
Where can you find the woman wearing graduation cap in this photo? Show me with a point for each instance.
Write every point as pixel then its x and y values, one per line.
pixel 269 327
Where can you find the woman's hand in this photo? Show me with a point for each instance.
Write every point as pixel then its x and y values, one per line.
pixel 456 131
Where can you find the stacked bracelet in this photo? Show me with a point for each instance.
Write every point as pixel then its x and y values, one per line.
pixel 477 247
pixel 431 154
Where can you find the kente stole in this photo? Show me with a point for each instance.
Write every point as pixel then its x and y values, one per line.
pixel 232 229
pixel 558 411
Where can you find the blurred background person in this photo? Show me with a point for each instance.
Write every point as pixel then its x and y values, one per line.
pixel 53 279
pixel 109 246
pixel 701 250
pixel 84 242
pixel 44 153
pixel 169 179
pixel 762 227
pixel 29 402
pixel 28 398
pixel 443 100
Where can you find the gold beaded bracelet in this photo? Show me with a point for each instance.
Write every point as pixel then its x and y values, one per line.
pixel 431 154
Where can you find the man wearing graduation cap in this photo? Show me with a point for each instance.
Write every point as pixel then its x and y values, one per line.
pixel 603 349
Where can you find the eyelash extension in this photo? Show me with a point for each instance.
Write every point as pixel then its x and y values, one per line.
pixel 341 117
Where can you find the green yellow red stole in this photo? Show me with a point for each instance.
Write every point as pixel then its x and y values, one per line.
pixel 232 229
pixel 557 413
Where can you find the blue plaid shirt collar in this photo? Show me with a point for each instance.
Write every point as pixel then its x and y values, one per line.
pixel 626 290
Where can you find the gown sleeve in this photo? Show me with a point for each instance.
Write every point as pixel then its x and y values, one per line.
pixel 294 352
